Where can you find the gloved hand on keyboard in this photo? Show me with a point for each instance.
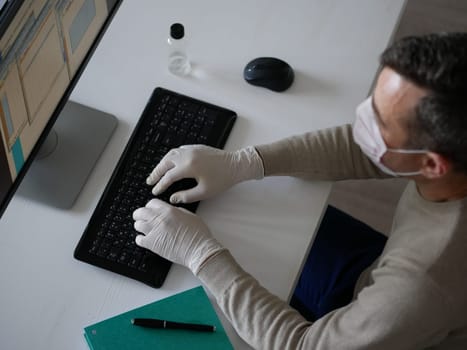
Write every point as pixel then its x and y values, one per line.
pixel 214 170
pixel 175 234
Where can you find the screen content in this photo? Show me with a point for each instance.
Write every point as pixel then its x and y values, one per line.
pixel 40 53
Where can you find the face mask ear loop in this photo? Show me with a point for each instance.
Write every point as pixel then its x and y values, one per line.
pixel 407 151
pixel 403 151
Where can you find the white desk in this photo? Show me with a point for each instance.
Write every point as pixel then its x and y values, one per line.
pixel 47 297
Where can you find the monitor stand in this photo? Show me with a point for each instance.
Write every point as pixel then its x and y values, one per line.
pixel 67 157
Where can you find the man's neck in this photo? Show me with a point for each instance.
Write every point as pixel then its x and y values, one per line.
pixel 443 190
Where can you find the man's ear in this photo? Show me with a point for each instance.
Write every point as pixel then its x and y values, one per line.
pixel 434 165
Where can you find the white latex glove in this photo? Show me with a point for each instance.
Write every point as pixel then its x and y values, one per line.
pixel 175 234
pixel 215 170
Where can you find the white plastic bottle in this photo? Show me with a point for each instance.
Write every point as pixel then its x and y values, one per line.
pixel 179 64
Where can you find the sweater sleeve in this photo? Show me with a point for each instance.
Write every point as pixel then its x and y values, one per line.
pixel 397 311
pixel 329 154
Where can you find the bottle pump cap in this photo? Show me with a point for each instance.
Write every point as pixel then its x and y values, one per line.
pixel 177 31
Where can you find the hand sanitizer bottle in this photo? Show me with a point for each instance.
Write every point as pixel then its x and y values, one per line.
pixel 179 63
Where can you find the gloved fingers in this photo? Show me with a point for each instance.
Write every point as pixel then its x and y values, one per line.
pixel 148 217
pixel 142 241
pixel 143 214
pixel 164 165
pixel 194 194
pixel 143 226
pixel 171 176
pixel 156 204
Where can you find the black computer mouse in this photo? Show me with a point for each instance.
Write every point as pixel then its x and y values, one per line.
pixel 269 72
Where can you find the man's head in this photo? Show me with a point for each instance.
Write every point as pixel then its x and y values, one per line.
pixel 421 102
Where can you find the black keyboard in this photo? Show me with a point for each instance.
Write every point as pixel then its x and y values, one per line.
pixel 168 121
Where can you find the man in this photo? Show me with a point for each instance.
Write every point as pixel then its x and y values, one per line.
pixel 414 296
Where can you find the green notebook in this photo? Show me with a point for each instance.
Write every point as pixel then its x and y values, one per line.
pixel 191 306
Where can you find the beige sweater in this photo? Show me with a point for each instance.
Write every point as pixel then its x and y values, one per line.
pixel 413 297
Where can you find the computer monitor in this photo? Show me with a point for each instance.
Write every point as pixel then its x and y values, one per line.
pixel 44 47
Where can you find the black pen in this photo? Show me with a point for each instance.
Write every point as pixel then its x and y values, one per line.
pixel 155 323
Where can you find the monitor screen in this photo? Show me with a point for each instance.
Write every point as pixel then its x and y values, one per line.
pixel 44 47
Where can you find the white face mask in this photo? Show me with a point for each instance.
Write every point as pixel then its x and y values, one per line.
pixel 367 135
